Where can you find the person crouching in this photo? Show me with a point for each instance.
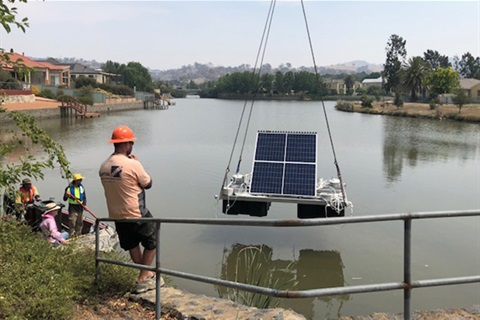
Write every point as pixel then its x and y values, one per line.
pixel 49 225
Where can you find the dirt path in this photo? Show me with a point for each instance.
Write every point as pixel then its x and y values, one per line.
pixel 40 103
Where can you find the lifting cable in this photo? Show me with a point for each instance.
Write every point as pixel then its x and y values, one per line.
pixel 317 76
pixel 257 73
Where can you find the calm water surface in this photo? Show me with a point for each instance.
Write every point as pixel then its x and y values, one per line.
pixel 390 165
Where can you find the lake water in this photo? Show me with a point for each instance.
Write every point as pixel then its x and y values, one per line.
pixel 390 165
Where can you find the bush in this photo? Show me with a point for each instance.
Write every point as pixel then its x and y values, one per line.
pixel 121 90
pixel 83 81
pixel 398 101
pixel 344 106
pixel 66 98
pixel 86 100
pixel 47 93
pixel 39 282
pixel 35 90
pixel 366 102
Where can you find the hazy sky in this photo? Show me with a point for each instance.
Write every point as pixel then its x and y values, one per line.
pixel 170 34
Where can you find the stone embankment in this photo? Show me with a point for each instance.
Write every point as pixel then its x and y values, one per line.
pixel 43 108
pixel 180 304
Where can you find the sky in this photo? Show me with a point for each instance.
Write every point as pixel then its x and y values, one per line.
pixel 170 34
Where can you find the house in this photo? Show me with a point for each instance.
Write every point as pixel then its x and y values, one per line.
pixel 45 73
pixel 367 83
pixel 338 86
pixel 77 70
pixel 471 87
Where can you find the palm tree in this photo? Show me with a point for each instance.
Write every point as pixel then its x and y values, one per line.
pixel 413 75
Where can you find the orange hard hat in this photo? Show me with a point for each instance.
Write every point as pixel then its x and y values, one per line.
pixel 122 134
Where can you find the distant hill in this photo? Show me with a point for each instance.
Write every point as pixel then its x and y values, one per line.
pixel 207 72
pixel 200 73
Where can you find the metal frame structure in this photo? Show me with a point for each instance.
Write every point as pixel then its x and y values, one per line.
pixel 407 285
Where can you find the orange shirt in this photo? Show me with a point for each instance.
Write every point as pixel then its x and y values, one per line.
pixel 124 180
pixel 26 196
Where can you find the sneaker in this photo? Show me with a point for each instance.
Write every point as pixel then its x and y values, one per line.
pixel 147 285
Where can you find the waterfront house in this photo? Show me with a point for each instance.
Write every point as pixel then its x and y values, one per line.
pixel 471 87
pixel 45 73
pixel 337 86
pixel 367 83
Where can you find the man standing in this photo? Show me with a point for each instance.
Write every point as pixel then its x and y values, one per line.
pixel 124 181
pixel 77 199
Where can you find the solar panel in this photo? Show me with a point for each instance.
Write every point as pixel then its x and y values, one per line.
pixel 284 163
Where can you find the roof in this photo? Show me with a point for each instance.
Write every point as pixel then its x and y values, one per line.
pixel 468 83
pixel 378 80
pixel 14 57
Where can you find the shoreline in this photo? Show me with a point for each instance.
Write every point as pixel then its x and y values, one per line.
pixel 469 113
pixel 47 108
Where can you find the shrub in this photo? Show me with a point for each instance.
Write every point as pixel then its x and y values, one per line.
pixel 65 98
pixel 366 102
pixel 35 90
pixel 398 101
pixel 83 81
pixel 86 100
pixel 47 93
pixel 39 282
pixel 116 89
pixel 344 106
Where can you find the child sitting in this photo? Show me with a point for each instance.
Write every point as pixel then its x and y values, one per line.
pixel 49 225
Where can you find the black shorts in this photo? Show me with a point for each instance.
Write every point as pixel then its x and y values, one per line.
pixel 131 234
pixel 75 208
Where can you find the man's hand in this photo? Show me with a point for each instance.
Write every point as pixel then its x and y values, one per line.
pixel 132 156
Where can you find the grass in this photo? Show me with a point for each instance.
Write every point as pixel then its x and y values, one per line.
pixel 252 265
pixel 39 281
pixel 468 113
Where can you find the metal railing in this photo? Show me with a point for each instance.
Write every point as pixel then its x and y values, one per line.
pixel 406 285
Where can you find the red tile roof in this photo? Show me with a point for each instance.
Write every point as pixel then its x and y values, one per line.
pixel 31 63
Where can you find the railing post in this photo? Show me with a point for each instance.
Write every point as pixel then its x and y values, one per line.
pixel 158 308
pixel 97 250
pixel 407 245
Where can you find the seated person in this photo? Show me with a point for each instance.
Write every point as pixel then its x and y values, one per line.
pixel 26 195
pixel 49 225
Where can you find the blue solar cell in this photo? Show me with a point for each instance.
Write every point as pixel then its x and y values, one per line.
pixel 267 178
pixel 299 179
pixel 270 146
pixel 301 148
pixel 285 164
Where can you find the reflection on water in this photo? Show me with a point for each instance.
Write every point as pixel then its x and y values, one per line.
pixel 313 269
pixel 410 141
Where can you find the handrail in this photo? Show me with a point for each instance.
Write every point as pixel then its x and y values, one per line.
pixel 406 285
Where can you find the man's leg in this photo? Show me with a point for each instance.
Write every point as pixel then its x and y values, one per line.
pixel 72 218
pixel 145 258
pixel 79 223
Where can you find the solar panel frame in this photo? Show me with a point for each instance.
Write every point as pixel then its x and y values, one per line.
pixel 285 164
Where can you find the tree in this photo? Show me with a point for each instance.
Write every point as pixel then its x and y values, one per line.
pixel 412 76
pixel 396 54
pixel 435 60
pixel 443 80
pixel 398 101
pixel 11 173
pixel 469 66
pixel 136 76
pixel 8 17
pixel 460 99
pixel 349 82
